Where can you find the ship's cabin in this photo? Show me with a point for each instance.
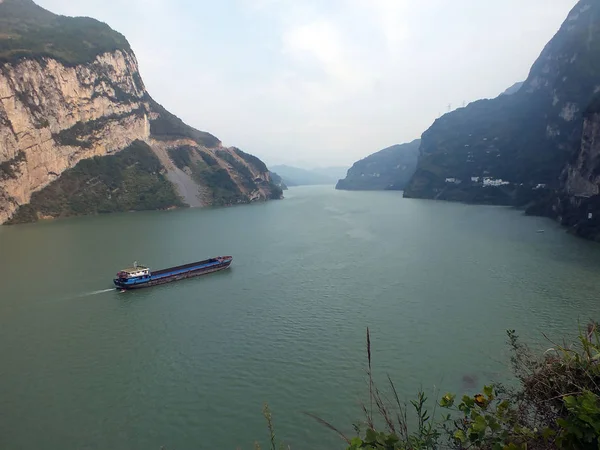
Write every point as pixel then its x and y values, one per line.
pixel 134 272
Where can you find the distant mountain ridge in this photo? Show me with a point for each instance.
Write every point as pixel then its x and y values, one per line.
pixel 388 169
pixel 296 176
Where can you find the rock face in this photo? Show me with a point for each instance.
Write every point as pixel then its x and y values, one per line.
pixel 511 149
pixel 52 117
pixel 64 103
pixel 582 175
pixel 577 206
pixel 388 169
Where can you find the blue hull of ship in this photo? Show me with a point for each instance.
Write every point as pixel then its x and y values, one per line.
pixel 174 274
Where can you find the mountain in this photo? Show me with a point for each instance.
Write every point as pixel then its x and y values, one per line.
pixel 278 181
pixel 390 168
pixel 79 133
pixel 512 150
pixel 514 88
pixel 295 176
pixel 576 204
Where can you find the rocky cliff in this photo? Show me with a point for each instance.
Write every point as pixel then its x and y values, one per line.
pixel 512 149
pixel 388 169
pixel 70 90
pixel 577 204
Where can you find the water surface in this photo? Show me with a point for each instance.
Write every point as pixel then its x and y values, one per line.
pixel 189 365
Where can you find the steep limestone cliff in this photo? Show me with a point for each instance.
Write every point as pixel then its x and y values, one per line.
pixel 582 174
pixel 70 90
pixel 53 116
pixel 577 206
pixel 510 149
pixel 388 169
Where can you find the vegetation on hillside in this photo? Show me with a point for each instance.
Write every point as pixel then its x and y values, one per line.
pixel 129 180
pixel 10 168
pixel 554 405
pixel 206 171
pixel 276 191
pixel 224 191
pixel 252 160
pixel 29 31
pixel 82 133
pixel 167 126
pixel 245 175
pixel 181 156
pixel 278 181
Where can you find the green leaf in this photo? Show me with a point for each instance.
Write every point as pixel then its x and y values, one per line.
pixel 480 424
pixel 495 426
pixel 570 402
pixel 488 391
pixel 503 406
pixel 381 439
pixel 548 433
pixel 392 439
pixel 460 436
pixel 468 401
pixel 371 436
pixel 447 400
pixel 356 442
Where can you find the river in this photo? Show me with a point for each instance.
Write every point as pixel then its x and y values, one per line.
pixel 189 365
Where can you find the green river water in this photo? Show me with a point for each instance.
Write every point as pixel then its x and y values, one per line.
pixel 188 365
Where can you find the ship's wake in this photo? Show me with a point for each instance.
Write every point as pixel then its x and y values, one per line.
pixel 76 296
pixel 102 291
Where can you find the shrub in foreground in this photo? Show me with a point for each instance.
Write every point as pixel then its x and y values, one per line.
pixel 556 405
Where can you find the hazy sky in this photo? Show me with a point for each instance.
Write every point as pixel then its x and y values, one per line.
pixel 325 82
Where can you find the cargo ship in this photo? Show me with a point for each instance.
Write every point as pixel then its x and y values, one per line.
pixel 138 277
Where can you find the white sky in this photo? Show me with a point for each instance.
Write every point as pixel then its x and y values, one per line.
pixel 325 82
